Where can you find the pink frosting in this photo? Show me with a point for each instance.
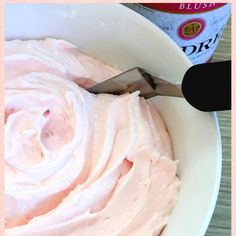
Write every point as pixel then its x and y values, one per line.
pixel 57 57
pixel 78 163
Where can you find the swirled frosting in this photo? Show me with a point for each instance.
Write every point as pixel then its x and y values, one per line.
pixel 78 163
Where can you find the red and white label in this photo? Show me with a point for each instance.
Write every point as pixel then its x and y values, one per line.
pixel 195 27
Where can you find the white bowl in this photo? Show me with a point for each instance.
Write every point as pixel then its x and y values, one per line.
pixel 121 37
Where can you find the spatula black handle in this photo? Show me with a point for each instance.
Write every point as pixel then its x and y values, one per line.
pixel 207 87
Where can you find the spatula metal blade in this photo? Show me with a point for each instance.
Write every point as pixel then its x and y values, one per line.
pixel 137 79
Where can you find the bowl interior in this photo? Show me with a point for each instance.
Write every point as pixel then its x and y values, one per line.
pixel 122 38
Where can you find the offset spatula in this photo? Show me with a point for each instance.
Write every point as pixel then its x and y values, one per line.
pixel 206 87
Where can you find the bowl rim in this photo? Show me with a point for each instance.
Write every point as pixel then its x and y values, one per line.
pixel 217 182
pixel 216 186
